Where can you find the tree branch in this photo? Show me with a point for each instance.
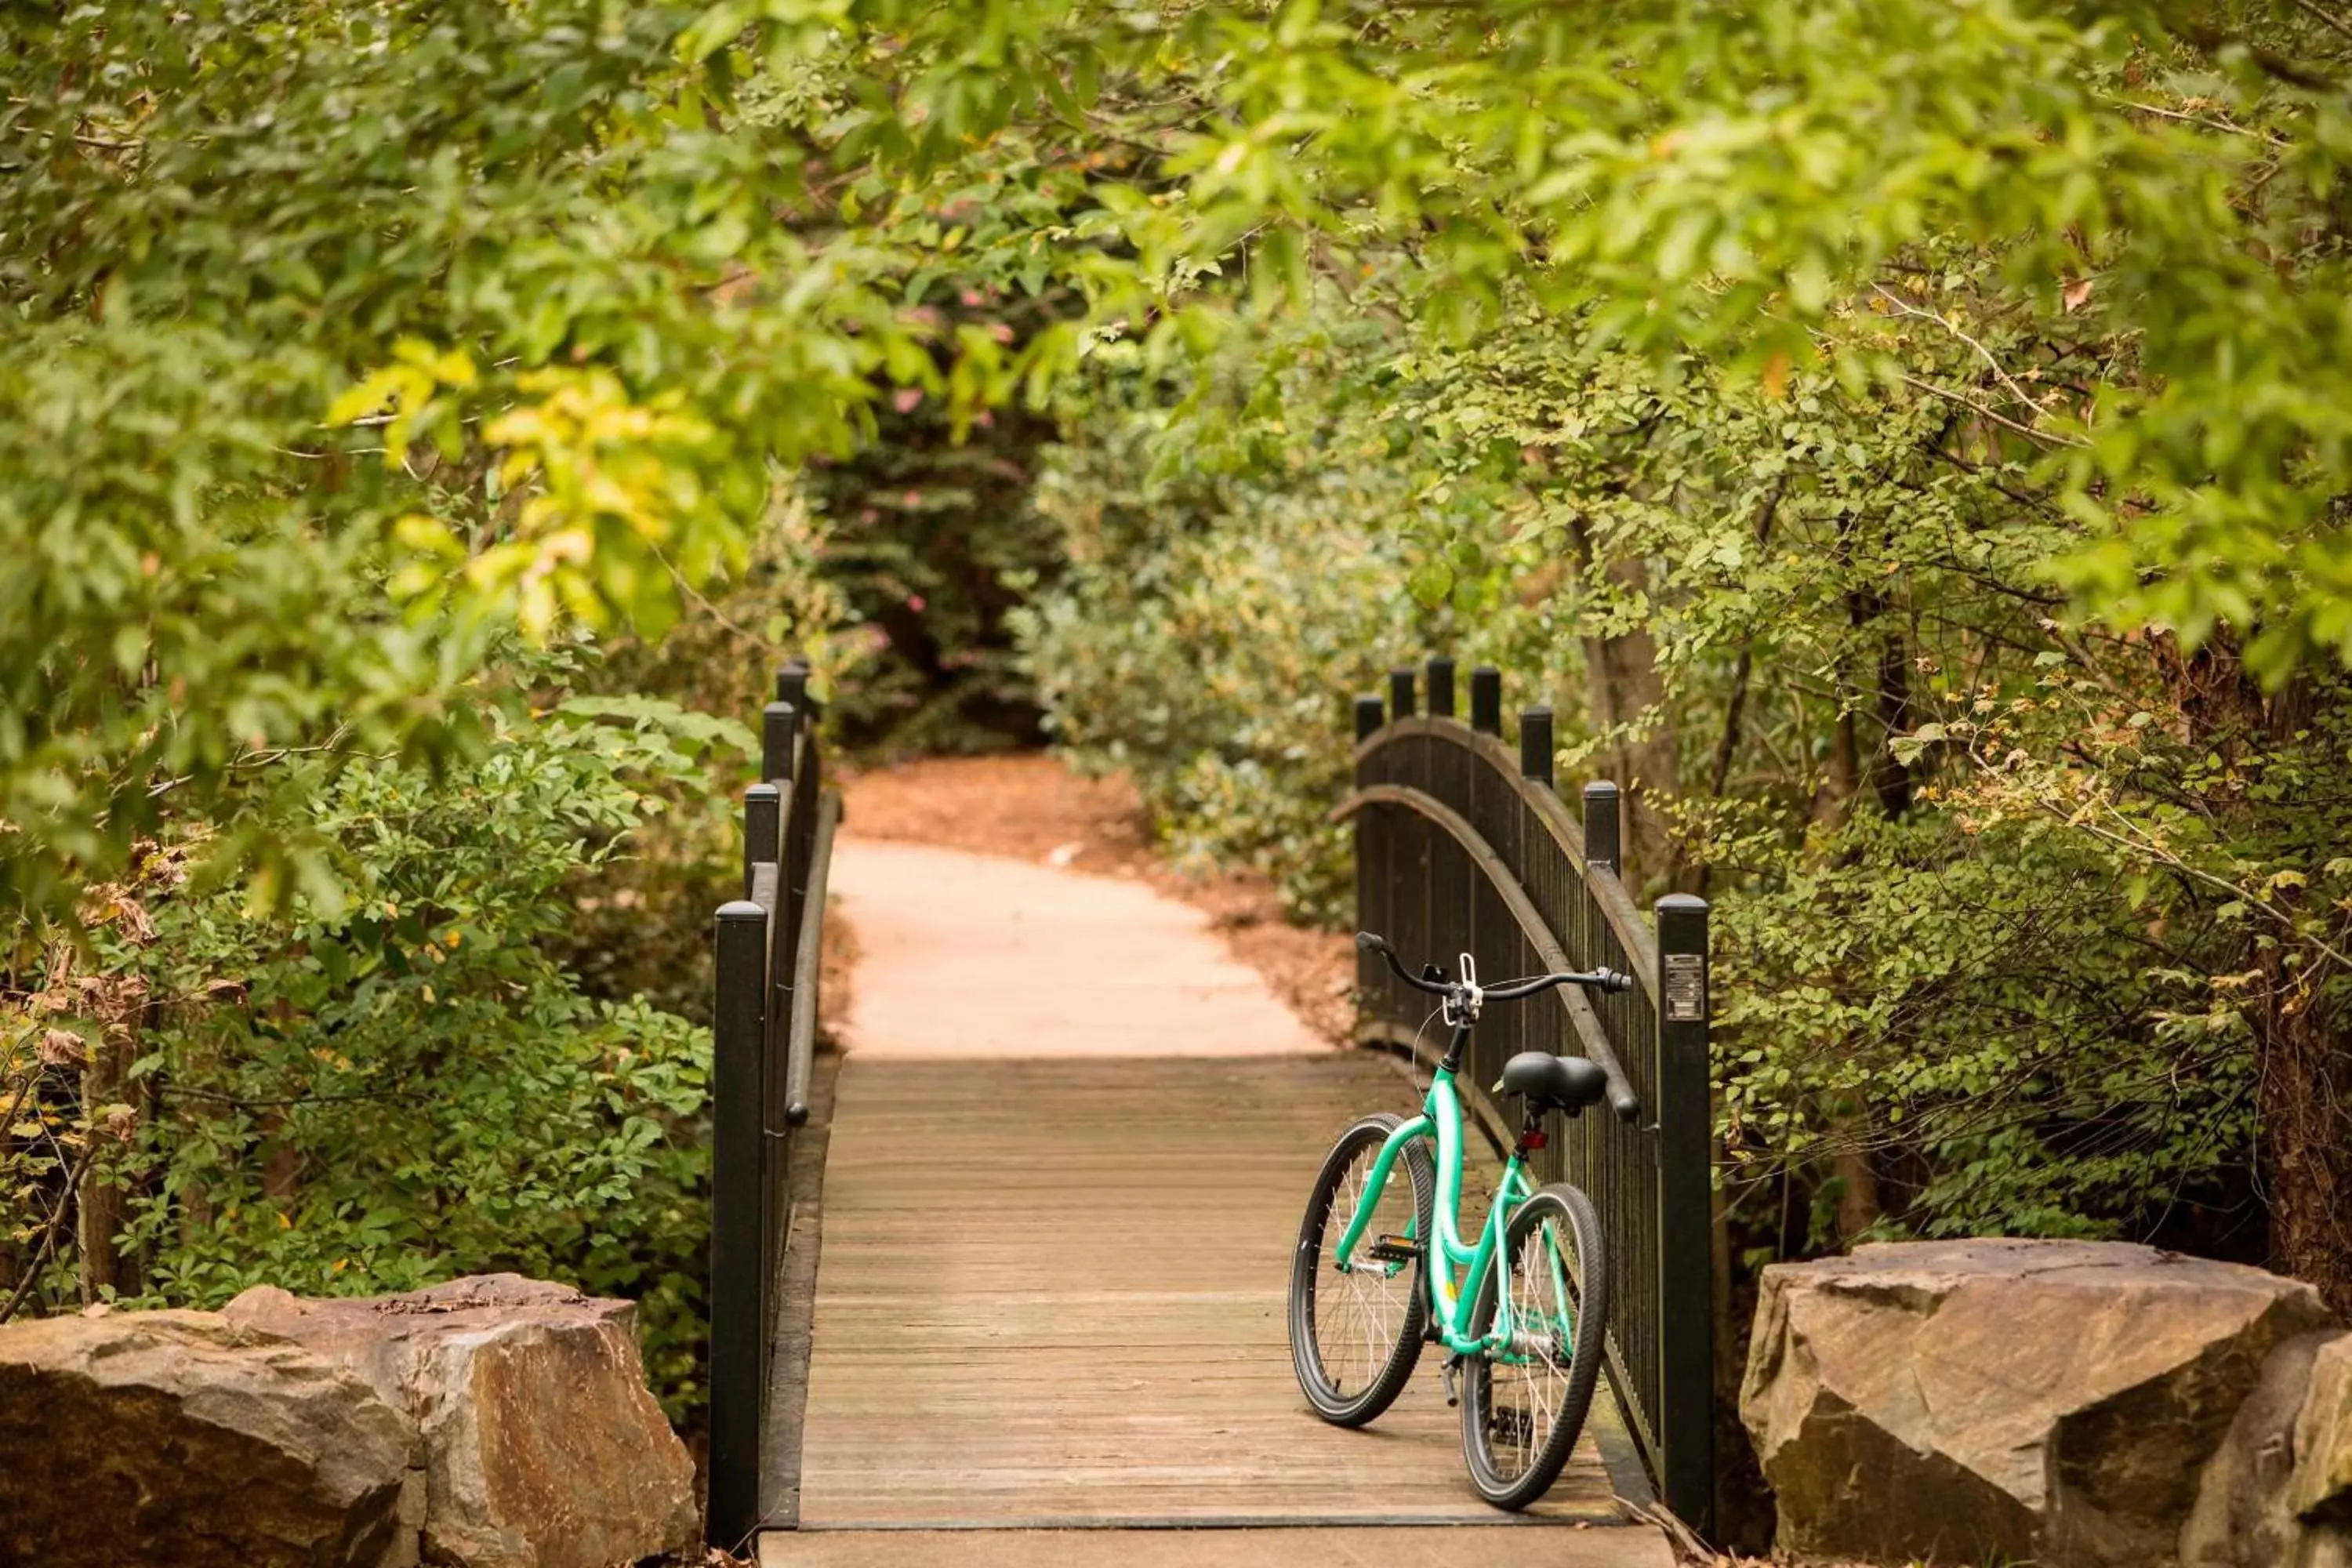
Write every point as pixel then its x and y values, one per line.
pixel 40 1258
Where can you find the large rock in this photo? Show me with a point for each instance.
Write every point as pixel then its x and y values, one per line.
pixel 2320 1488
pixel 2278 1491
pixel 542 1448
pixel 153 1438
pixel 1961 1402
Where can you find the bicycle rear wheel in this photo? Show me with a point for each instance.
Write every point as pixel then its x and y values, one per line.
pixel 1356 1334
pixel 1523 1407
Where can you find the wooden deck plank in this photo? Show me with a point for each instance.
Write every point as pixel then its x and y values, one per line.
pixel 1053 1292
pixel 1337 1548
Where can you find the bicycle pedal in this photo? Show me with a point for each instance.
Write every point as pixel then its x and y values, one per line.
pixel 1447 1370
pixel 1394 1249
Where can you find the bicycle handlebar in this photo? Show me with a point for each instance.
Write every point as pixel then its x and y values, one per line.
pixel 1608 979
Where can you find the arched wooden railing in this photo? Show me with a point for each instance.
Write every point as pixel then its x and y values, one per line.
pixel 768 946
pixel 1464 846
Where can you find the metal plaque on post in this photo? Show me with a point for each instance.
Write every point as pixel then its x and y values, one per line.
pixel 1685 987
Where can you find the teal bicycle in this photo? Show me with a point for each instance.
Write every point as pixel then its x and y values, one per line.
pixel 1375 1275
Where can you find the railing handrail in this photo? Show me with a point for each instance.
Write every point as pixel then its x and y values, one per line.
pixel 801 1054
pixel 1459 835
pixel 1617 906
pixel 763 1057
pixel 1581 1015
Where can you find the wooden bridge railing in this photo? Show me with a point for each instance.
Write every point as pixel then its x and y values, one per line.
pixel 1464 846
pixel 767 946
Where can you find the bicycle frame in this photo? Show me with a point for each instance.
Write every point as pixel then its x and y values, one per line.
pixel 1450 1300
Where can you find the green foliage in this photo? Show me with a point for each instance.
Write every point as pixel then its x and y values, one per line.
pixel 1198 646
pixel 332 339
pixel 1973 1014
pixel 1907 441
pixel 928 536
pixel 405 1085
pixel 1836 683
pixel 578 272
pixel 2126 218
pixel 1208 627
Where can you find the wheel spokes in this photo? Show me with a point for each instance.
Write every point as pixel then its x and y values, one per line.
pixel 1360 1312
pixel 1528 1392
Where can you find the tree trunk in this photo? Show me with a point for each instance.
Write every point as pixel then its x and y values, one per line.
pixel 282 1166
pixel 2306 1138
pixel 1859 1204
pixel 1622 688
pixel 1889 776
pixel 2303 1054
pixel 1833 802
pixel 98 1212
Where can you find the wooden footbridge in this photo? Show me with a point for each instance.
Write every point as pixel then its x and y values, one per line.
pixel 1013 1266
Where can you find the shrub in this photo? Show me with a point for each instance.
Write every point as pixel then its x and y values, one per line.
pixel 396 1081
pixel 1208 628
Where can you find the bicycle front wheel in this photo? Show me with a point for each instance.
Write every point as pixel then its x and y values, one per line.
pixel 1523 1403
pixel 1355 1334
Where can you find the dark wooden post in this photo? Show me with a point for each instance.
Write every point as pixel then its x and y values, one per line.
pixel 1400 693
pixel 1685 1216
pixel 1370 977
pixel 792 687
pixel 1486 699
pixel 738 1320
pixel 763 816
pixel 1603 824
pixel 1535 743
pixel 777 727
pixel 1441 688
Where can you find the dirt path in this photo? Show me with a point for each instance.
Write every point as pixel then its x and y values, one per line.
pixel 964 955
pixel 1032 808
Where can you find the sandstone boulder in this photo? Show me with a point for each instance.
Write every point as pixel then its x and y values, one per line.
pixel 174 1437
pixel 2241 1520
pixel 1961 1402
pixel 2319 1490
pixel 541 1446
pixel 2278 1493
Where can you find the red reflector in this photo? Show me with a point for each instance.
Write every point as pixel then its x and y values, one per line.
pixel 1534 1141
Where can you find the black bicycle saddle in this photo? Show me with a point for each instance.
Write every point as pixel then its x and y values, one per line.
pixel 1555 1083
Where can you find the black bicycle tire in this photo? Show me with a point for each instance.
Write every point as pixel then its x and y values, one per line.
pixel 1308 1267
pixel 1592 1287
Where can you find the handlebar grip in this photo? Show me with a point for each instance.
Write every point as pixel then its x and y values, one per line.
pixel 1616 981
pixel 1380 945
